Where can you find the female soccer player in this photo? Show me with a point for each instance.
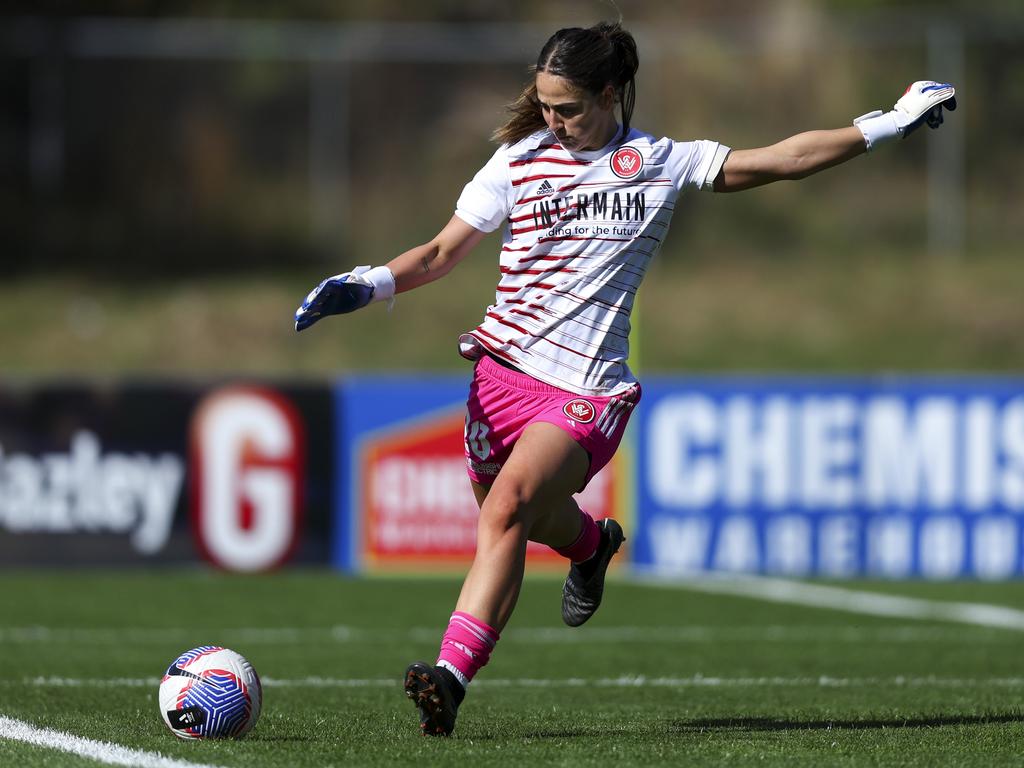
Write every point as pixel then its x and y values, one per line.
pixel 587 200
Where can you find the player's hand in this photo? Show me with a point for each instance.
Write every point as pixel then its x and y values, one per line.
pixel 923 102
pixel 336 295
pixel 346 292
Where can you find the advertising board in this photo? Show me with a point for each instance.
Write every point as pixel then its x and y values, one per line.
pixel 799 476
pixel 883 477
pixel 142 472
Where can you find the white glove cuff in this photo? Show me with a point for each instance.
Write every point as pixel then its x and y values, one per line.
pixel 383 282
pixel 878 128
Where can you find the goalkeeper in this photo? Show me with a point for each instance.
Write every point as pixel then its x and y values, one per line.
pixel 586 201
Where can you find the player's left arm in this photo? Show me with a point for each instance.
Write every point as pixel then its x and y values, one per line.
pixel 807 153
pixel 794 158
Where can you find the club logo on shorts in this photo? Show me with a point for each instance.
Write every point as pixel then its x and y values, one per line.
pixel 579 410
pixel 627 162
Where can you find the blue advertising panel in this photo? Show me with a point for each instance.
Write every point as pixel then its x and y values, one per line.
pixel 892 478
pixel 402 435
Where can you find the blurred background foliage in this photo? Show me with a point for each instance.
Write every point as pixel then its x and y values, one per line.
pixel 163 210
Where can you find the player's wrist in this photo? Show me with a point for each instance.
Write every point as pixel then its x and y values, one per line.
pixel 878 128
pixel 382 280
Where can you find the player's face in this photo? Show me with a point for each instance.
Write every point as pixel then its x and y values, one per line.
pixel 580 120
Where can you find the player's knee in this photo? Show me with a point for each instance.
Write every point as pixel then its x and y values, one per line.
pixel 508 506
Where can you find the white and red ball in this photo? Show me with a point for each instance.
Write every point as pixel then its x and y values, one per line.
pixel 210 693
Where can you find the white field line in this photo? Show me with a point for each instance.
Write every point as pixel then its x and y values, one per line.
pixel 842 599
pixel 624 681
pixel 100 751
pixel 697 633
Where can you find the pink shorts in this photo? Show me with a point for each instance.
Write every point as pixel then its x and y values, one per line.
pixel 504 402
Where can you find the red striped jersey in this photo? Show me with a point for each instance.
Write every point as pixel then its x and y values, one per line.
pixel 581 229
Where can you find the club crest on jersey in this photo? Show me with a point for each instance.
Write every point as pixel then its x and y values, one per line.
pixel 627 162
pixel 579 410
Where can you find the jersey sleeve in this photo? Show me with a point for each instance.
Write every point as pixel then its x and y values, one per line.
pixel 695 164
pixel 486 201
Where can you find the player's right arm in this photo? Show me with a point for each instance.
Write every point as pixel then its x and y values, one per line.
pixel 418 266
pixel 483 205
pixel 436 258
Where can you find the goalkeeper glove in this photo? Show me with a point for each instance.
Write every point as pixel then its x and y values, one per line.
pixel 923 102
pixel 345 293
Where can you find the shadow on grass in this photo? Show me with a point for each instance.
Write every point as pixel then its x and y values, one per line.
pixel 539 733
pixel 736 724
pixel 771 724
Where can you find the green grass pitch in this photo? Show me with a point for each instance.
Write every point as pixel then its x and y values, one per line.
pixel 658 677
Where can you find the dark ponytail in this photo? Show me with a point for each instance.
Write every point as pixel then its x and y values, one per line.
pixel 589 59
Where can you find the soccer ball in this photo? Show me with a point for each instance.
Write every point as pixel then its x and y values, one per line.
pixel 210 693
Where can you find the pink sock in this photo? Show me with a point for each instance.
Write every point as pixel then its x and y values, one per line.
pixel 586 543
pixel 466 646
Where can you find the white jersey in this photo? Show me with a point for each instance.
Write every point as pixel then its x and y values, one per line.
pixel 582 228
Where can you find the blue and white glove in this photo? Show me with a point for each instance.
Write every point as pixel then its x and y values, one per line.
pixel 345 293
pixel 922 103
